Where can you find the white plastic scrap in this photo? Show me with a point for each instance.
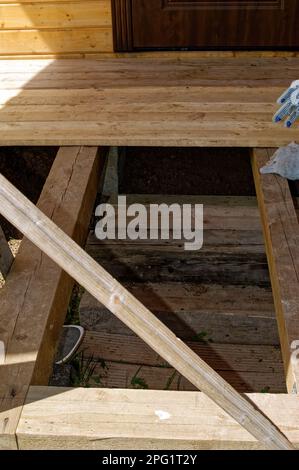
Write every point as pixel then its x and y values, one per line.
pixel 285 162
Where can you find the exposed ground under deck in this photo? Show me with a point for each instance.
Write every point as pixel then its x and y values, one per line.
pixel 154 102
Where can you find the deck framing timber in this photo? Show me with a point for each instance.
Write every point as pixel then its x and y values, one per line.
pixel 281 235
pixel 45 234
pixel 114 419
pixel 35 417
pixel 36 295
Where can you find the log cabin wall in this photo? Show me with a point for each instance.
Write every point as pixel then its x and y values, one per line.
pixel 57 27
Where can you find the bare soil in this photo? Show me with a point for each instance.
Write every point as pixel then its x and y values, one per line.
pixel 202 171
pixel 27 168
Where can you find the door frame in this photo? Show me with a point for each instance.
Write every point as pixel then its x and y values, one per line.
pixel 123 29
pixel 122 25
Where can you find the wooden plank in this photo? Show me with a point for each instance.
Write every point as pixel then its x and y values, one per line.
pixel 255 69
pixel 56 41
pixel 146 134
pixel 36 295
pixel 197 70
pixel 132 350
pixel 232 253
pixel 281 233
pixel 247 369
pixel 198 298
pixel 64 15
pixel 6 256
pixel 162 102
pixel 132 419
pixel 66 253
pixel 88 112
pixel 111 79
pixel 162 54
pixel 126 375
pixel 219 215
pixel 136 99
pixel 226 314
pixel 165 262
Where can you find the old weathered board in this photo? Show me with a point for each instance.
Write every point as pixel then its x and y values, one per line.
pixel 57 27
pixel 125 361
pixel 228 314
pixel 233 318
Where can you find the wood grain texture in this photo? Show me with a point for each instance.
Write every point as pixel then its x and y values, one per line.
pixel 204 314
pixel 63 15
pixel 232 253
pixel 238 265
pixel 247 368
pixel 35 298
pixel 148 102
pixel 281 233
pixel 227 314
pixel 46 235
pixel 49 41
pixel 122 25
pixel 129 419
pixel 55 27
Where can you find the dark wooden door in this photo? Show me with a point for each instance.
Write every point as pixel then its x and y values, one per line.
pixel 206 24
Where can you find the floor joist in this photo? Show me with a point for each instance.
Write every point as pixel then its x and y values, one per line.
pixel 35 298
pixel 57 418
pixel 281 234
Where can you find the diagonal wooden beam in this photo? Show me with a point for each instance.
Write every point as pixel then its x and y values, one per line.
pixel 281 234
pixel 36 295
pixel 107 419
pixel 69 256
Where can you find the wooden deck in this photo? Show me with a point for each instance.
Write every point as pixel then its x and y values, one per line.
pixel 151 102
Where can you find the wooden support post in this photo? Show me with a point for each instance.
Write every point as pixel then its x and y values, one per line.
pixel 281 234
pixel 69 256
pixel 114 419
pixel 6 256
pixel 35 298
pixel 110 186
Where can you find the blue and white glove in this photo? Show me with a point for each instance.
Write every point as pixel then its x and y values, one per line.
pixel 290 105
